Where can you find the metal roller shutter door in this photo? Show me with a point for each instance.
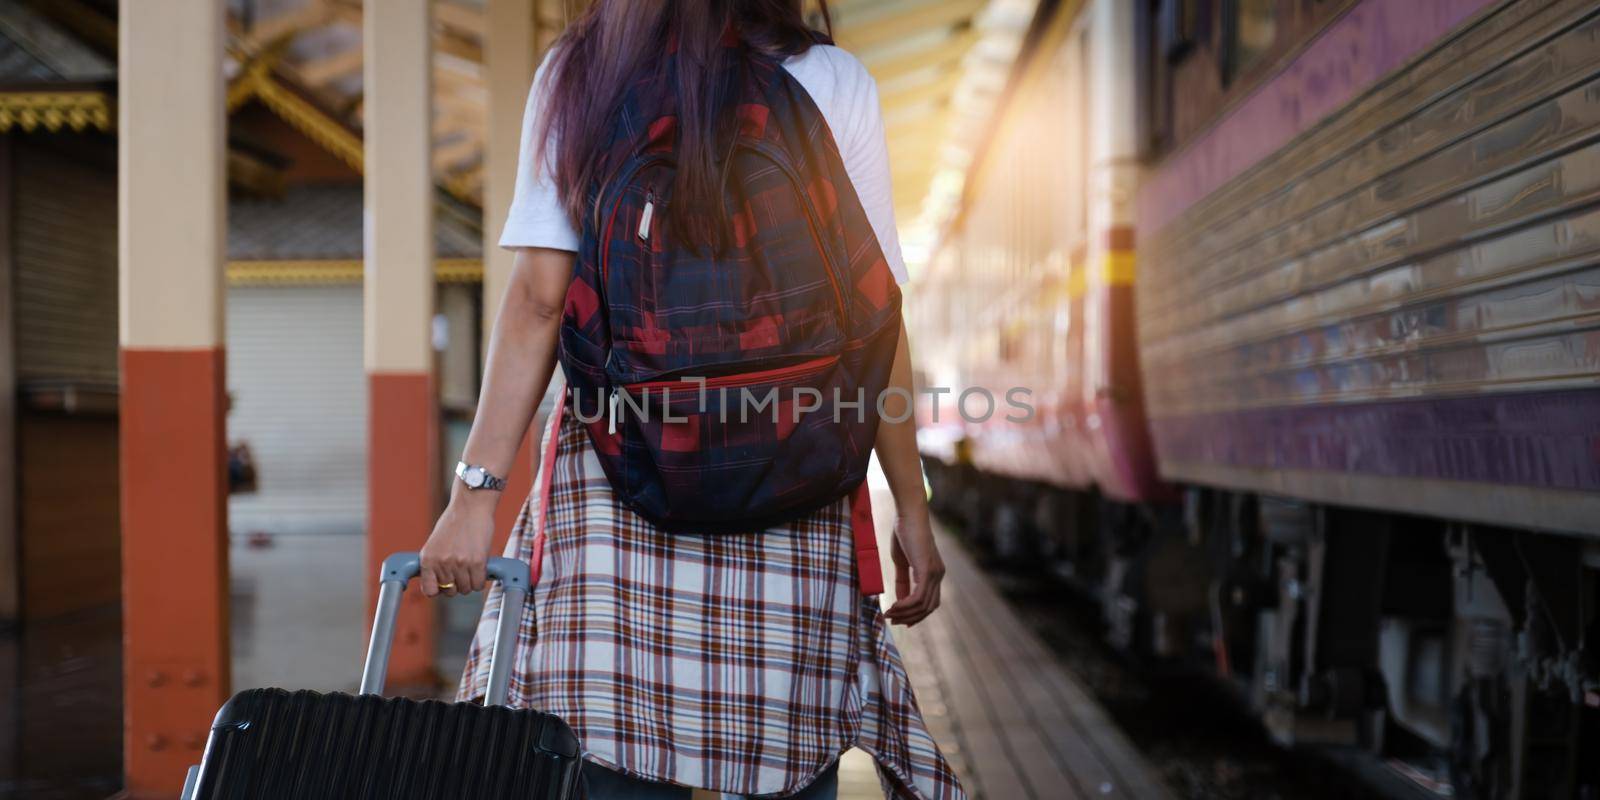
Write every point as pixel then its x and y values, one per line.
pixel 66 270
pixel 299 395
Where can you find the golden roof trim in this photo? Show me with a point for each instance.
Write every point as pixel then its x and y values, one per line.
pixel 258 83
pixel 331 272
pixel 54 110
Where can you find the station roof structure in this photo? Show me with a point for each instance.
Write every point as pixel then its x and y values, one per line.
pixel 50 78
pixel 940 64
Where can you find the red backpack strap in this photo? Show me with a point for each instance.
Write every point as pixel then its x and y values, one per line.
pixel 869 567
pixel 547 468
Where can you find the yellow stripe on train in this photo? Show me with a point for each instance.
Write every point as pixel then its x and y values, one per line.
pixel 1112 268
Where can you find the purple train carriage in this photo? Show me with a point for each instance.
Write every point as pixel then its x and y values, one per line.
pixel 1307 294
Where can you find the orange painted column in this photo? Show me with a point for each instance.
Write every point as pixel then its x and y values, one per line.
pixel 402 504
pixel 510 56
pixel 403 416
pixel 173 469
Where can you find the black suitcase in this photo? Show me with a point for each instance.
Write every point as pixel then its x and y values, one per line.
pixel 272 743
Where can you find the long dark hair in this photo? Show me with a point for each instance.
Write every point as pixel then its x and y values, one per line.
pixel 616 43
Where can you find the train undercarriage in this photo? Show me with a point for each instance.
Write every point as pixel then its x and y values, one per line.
pixel 1459 656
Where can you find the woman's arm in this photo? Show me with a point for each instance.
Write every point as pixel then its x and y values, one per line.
pixel 917 566
pixel 522 354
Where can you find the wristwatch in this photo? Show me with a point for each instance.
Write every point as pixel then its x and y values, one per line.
pixel 476 477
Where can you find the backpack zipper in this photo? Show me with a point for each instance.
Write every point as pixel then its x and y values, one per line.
pixel 735 380
pixel 648 214
pixel 611 219
pixel 777 158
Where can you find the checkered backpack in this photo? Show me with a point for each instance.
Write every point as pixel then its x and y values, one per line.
pixel 720 390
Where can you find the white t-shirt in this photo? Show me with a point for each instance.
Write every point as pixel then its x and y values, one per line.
pixel 840 86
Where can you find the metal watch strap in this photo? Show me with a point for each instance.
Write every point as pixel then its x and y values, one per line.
pixel 490 482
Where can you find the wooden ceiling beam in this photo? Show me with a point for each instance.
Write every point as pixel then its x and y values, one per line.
pixel 925 147
pixel 456 127
pixel 945 55
pixel 466 185
pixel 908 203
pixel 460 100
pixel 908 189
pixel 322 71
pixel 447 156
pixel 450 72
pixel 859 37
pixel 448 66
pixel 82 19
pixel 916 121
pixel 457 120
pixel 908 206
pixel 912 183
pixel 556 14
pixel 461 18
pixel 458 46
pixel 933 92
pixel 346 11
pixel 264 32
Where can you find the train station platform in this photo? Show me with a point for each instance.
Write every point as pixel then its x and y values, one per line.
pixel 1011 719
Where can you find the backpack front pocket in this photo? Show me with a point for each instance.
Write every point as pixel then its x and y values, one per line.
pixel 733 449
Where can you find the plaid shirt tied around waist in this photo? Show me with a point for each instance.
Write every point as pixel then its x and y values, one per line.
pixel 742 663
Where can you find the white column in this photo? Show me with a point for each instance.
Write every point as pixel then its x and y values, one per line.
pixel 171 246
pixel 509 62
pixel 398 81
pixel 1114 97
pixel 171 190
pixel 1113 132
pixel 510 56
pixel 402 403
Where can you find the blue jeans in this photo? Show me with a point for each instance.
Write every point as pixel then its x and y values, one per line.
pixel 605 784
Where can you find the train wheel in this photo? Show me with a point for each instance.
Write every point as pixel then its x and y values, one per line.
pixel 971 512
pixel 1048 524
pixel 1479 750
pixel 1123 534
pixel 1011 536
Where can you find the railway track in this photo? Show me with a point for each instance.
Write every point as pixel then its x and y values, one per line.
pixel 1197 733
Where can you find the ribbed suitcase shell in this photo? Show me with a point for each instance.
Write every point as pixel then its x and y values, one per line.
pixel 272 743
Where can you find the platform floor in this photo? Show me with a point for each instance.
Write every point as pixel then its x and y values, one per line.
pixel 1012 721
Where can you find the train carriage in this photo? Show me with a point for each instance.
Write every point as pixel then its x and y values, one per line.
pixel 1307 293
pixel 1405 294
pixel 1031 289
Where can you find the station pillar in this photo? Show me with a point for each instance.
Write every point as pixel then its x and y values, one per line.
pixel 510 57
pixel 171 181
pixel 1113 387
pixel 398 300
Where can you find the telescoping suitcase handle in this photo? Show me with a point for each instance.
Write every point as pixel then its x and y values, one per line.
pixel 397 572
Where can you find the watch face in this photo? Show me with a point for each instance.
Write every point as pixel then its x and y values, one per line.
pixel 473 477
